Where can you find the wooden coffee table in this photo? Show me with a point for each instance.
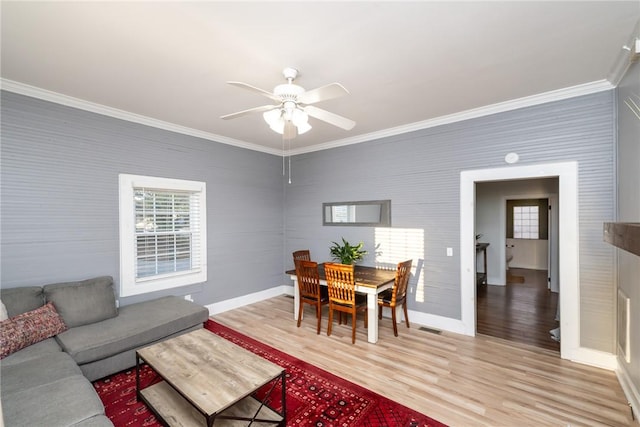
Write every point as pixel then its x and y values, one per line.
pixel 208 379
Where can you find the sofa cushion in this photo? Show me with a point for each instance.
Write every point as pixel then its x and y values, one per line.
pixel 46 347
pixel 29 328
pixel 21 300
pixel 64 402
pixel 84 302
pixel 135 326
pixel 37 371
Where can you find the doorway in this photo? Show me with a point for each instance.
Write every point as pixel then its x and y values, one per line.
pixel 567 175
pixel 517 303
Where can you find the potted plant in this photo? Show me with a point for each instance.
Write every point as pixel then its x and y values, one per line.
pixel 346 253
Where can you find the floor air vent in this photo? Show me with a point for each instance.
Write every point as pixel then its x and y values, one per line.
pixel 432 331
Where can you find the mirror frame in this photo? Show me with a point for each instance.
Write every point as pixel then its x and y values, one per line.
pixel 385 213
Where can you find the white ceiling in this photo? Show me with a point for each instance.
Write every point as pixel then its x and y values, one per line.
pixel 406 64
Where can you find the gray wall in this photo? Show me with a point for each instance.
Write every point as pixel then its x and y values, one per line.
pixel 420 173
pixel 628 267
pixel 59 208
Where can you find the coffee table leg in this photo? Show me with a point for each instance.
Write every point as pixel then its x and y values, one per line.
pixel 284 400
pixel 138 377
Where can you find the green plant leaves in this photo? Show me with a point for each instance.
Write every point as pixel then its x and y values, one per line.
pixel 347 253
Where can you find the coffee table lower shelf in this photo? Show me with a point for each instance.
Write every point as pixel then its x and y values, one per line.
pixel 176 411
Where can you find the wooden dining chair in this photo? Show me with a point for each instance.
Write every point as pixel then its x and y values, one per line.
pixel 303 254
pixel 397 295
pixel 342 295
pixel 311 292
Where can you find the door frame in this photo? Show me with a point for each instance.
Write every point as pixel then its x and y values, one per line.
pixel 568 244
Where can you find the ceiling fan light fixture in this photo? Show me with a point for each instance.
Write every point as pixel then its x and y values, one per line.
pixel 278 127
pixel 303 127
pixel 299 117
pixel 274 120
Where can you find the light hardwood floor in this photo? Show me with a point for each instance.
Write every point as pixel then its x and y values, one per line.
pixel 458 380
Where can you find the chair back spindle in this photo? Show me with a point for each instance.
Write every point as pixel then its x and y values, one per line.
pixel 403 274
pixel 397 295
pixel 342 295
pixel 303 254
pixel 308 279
pixel 341 282
pixel 310 290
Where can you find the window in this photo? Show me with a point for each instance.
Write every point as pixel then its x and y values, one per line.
pixel 525 222
pixel 527 219
pixel 162 233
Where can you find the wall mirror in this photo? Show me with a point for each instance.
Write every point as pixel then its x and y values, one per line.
pixel 369 213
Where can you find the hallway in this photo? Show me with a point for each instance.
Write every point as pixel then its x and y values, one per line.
pixel 523 312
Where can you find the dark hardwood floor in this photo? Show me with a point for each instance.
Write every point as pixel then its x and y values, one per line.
pixel 522 311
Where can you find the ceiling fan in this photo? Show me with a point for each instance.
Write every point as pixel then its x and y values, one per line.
pixel 290 115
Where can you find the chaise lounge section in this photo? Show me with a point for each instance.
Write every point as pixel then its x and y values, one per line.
pixel 48 382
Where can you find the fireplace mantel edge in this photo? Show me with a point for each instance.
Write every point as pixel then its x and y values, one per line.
pixel 623 235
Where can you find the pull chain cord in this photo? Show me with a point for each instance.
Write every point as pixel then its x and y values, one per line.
pixel 283 154
pixel 288 145
pixel 289 152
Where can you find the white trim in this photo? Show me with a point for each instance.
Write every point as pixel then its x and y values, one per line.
pixel 129 285
pixel 514 104
pixel 436 322
pixel 591 357
pixel 629 388
pixel 58 98
pixel 580 355
pixel 567 173
pixel 542 98
pixel 417 318
pixel 233 303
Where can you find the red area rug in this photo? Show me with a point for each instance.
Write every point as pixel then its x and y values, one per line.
pixel 315 397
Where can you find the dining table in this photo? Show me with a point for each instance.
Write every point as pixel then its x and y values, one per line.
pixel 369 280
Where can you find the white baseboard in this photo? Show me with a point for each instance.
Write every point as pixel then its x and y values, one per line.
pixel 599 359
pixel 582 355
pixel 629 388
pixel 433 321
pixel 422 319
pixel 230 304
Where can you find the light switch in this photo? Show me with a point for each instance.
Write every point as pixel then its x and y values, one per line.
pixel 449 251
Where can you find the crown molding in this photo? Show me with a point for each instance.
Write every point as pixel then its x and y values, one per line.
pixel 46 95
pixel 528 101
pixel 556 95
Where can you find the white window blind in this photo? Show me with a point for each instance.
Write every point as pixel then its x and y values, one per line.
pixel 167 232
pixel 162 233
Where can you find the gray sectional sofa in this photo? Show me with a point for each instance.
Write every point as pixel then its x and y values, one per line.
pixel 49 382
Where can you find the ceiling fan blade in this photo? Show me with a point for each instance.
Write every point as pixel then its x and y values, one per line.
pixel 260 109
pixel 256 90
pixel 330 91
pixel 326 116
